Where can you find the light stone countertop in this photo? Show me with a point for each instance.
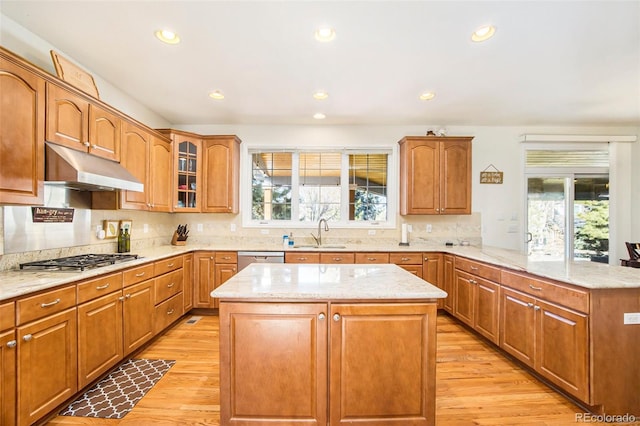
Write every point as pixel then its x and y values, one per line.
pixel 15 283
pixel 282 282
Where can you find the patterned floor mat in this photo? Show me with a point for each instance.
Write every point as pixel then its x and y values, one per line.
pixel 115 395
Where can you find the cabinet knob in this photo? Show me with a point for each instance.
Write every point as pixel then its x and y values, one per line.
pixel 86 144
pixel 529 305
pixel 536 308
pixel 437 210
pixel 127 296
pixel 336 317
pixel 321 316
pixel 121 298
pixel 473 281
pixel 27 337
pixel 94 146
pixel 11 344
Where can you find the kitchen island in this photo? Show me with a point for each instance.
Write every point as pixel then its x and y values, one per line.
pixel 317 344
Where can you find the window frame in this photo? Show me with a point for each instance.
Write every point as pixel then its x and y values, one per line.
pixel 246 188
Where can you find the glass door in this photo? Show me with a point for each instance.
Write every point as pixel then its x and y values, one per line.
pixel 187 176
pixel 547 217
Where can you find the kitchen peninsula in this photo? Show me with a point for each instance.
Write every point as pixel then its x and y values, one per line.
pixel 303 342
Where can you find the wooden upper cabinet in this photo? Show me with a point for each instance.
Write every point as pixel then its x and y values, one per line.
pixel 435 175
pixel 187 170
pixel 104 133
pixel 221 155
pixel 135 158
pixel 22 105
pixel 75 122
pixel 160 175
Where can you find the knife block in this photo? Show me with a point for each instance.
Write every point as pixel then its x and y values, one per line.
pixel 175 241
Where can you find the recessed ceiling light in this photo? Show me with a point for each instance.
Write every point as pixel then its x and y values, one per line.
pixel 319 116
pixel 427 96
pixel 320 95
pixel 216 95
pixel 325 34
pixel 167 36
pixel 483 33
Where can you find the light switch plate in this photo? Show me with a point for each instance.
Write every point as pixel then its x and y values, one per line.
pixel 199 227
pixel 145 228
pixel 233 227
pixel 632 318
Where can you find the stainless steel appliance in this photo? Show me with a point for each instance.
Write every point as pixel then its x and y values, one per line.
pixel 245 258
pixel 78 263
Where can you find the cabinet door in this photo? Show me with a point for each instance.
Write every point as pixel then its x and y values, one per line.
pixel 138 315
pixel 99 337
pixel 8 378
pixel 160 175
pixel 135 158
pixel 204 279
pixel 187 288
pixel 289 343
pixel 419 176
pixel 562 348
pixel 382 364
pixel 104 133
pixel 449 282
pixel 187 187
pixel 432 272
pixel 517 325
pixel 47 365
pixel 336 258
pixel 221 174
pixel 455 189
pixel 463 306
pixel 67 118
pixel 22 103
pixel 486 312
pixel 223 273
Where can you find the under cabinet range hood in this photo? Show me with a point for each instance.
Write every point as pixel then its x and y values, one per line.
pixel 82 171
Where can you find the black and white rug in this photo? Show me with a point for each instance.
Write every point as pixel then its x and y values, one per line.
pixel 115 395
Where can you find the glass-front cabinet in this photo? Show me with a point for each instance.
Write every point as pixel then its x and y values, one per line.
pixel 187 182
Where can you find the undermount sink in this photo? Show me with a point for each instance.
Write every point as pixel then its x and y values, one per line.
pixel 327 246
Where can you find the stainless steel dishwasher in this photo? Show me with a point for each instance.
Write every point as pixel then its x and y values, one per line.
pixel 246 258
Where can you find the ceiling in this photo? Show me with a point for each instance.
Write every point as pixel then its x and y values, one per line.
pixel 549 63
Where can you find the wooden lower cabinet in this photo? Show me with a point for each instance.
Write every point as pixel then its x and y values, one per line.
pixel 138 315
pixel 47 365
pixel 551 339
pixel 276 362
pixel 8 377
pixel 223 272
pixel 204 279
pixel 187 287
pixel 477 304
pixel 99 336
pixel 411 262
pixel 448 277
pixel 432 271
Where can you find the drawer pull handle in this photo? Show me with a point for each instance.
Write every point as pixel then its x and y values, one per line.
pixel 141 274
pixel 426 259
pixel 170 285
pixel 27 337
pixel 11 344
pixel 102 287
pixel 533 287
pixel 226 258
pixel 405 259
pixel 170 265
pixel 473 268
pixel 321 316
pixel 337 259
pixel 302 258
pixel 46 305
pixel 170 311
pixel 371 259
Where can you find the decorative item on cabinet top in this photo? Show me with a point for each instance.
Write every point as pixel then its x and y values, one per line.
pixel 74 75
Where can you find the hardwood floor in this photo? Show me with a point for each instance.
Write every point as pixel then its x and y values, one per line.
pixel 476 385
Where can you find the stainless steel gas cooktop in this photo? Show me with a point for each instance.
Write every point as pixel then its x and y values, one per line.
pixel 78 263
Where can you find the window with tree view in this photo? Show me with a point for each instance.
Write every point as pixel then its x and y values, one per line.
pixel 306 186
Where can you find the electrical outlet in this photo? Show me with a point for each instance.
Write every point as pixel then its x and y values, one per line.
pixel 145 228
pixel 429 227
pixel 233 227
pixel 372 232
pixel 632 318
pixel 199 227
pixel 264 231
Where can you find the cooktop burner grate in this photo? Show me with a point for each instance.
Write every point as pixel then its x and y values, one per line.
pixel 78 263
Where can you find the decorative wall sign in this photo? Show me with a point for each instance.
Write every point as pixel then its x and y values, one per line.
pixel 491 177
pixel 110 228
pixel 74 75
pixel 51 215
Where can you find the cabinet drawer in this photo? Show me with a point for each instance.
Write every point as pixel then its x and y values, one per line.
pixel 406 258
pixel 168 285
pixel 414 269
pixel 7 316
pixel 372 257
pixel 167 312
pixel 556 293
pixel 91 289
pixel 477 268
pixel 302 257
pixel 337 257
pixel 136 275
pixel 167 265
pixel 42 305
pixel 226 257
